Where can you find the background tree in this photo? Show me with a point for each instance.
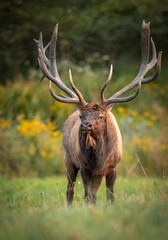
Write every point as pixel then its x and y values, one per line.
pixel 110 28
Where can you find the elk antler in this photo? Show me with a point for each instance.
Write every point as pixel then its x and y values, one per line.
pixel 54 77
pixel 144 68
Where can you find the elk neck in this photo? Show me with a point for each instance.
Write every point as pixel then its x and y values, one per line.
pixel 93 147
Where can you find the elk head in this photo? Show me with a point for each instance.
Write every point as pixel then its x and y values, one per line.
pixel 93 124
pixel 104 104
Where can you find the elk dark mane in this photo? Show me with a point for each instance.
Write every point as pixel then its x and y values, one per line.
pixel 94 149
pixel 93 143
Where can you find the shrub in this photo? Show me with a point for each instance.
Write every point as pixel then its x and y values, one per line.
pixel 31 123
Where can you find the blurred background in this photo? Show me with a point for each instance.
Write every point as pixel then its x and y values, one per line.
pixel 92 35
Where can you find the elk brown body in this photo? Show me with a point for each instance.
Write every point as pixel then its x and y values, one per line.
pixel 95 151
pixel 91 136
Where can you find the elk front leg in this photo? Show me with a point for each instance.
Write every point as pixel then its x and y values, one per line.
pixel 91 184
pixel 71 176
pixel 110 181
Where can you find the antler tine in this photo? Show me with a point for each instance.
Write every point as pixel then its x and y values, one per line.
pixel 145 43
pixel 47 46
pixel 61 95
pixel 152 63
pixel 78 93
pixel 157 70
pixel 63 99
pixel 126 99
pixel 106 83
pixel 53 44
pixel 43 49
pixel 54 77
pixel 59 83
pixel 145 47
pixel 42 78
pixel 144 68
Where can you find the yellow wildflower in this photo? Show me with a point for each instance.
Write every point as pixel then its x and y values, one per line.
pixel 56 106
pixel 51 125
pixel 121 110
pixel 132 112
pixel 146 114
pixel 163 147
pixel 149 123
pixel 153 117
pixel 155 85
pixel 50 155
pixel 136 140
pixel 145 148
pixel 43 153
pixel 5 123
pixel 31 127
pixel 47 154
pixel 55 134
pixel 146 140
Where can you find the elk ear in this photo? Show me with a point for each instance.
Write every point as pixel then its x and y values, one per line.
pixel 109 107
pixel 105 107
pixel 82 107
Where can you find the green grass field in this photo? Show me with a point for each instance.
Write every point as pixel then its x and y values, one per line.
pixel 36 209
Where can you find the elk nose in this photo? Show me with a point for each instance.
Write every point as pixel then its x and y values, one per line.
pixel 86 126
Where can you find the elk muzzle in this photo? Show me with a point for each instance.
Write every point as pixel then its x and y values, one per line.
pixel 86 126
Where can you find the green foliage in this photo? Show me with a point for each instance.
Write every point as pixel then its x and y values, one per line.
pixel 29 99
pixel 30 148
pixel 36 209
pixel 110 28
pixel 31 122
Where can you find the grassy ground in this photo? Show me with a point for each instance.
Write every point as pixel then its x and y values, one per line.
pixel 36 209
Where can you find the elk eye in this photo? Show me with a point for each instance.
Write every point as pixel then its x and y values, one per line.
pixel 101 117
pixel 80 116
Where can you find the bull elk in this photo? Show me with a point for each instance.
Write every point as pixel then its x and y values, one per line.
pixel 91 136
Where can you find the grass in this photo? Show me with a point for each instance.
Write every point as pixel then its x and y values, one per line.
pixel 36 209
